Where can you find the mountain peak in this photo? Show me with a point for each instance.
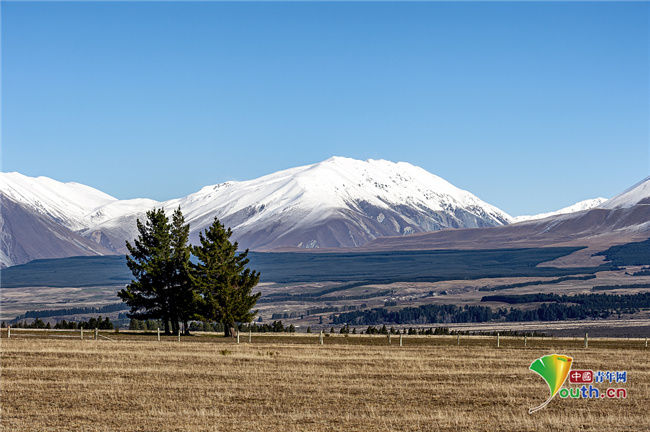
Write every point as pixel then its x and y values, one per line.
pixel 333 203
pixel 67 203
pixel 631 196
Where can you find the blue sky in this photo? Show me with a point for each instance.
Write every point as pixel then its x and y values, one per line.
pixel 531 106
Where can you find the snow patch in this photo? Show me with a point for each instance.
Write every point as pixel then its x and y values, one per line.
pixel 579 206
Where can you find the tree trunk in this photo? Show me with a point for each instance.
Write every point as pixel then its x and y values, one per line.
pixel 167 332
pixel 227 326
pixel 187 328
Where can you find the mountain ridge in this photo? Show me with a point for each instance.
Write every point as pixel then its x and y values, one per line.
pixel 339 202
pixel 579 206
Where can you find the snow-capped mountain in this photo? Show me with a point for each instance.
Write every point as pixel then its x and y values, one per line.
pixel 26 234
pixel 65 203
pixel 339 202
pixel 622 219
pixel 579 206
pixel 637 194
pixel 334 203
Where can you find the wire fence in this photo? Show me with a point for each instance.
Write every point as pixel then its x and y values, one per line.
pixel 322 338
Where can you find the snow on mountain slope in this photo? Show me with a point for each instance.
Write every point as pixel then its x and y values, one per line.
pixel 65 203
pixel 337 202
pixel 579 206
pixel 319 190
pixel 114 223
pixel 26 234
pixel 632 196
pixel 117 209
pixel 334 203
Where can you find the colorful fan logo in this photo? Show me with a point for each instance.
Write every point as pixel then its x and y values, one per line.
pixel 554 369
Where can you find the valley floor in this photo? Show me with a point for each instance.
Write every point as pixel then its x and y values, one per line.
pixel 290 383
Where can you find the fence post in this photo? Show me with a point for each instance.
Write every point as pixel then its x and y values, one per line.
pixel 95 333
pixel 525 341
pixel 158 330
pixel 320 338
pixel 389 339
pixel 458 339
pixel 237 336
pixel 400 340
pixel 646 342
pixel 179 333
pixel 82 333
pixel 498 341
pixel 9 335
pixel 586 340
pixel 250 336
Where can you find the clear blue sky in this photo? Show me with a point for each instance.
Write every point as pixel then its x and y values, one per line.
pixel 530 106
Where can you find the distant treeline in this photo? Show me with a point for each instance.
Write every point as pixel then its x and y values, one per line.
pixel 580 306
pixel 98 323
pixel 603 301
pixel 556 308
pixel 274 327
pixel 624 286
pixel 315 311
pixel 645 271
pixel 314 297
pixel 411 331
pixel 424 314
pixel 530 283
pixel 71 311
pixel 429 331
pixel 637 253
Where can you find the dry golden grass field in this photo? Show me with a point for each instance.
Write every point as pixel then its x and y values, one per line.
pixel 294 384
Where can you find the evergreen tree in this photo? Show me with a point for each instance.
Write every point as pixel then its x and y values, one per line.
pixel 222 278
pixel 184 299
pixel 148 294
pixel 159 260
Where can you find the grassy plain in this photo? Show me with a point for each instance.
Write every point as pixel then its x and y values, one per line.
pixel 356 383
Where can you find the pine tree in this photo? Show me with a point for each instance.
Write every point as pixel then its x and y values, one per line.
pixel 149 259
pixel 159 261
pixel 222 278
pixel 184 299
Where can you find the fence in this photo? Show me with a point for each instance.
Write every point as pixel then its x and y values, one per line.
pixel 496 341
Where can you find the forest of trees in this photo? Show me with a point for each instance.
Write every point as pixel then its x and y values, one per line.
pixel 45 313
pixel 169 287
pixel 432 313
pixel 99 323
pixel 620 286
pixel 628 254
pixel 540 282
pixel 554 308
